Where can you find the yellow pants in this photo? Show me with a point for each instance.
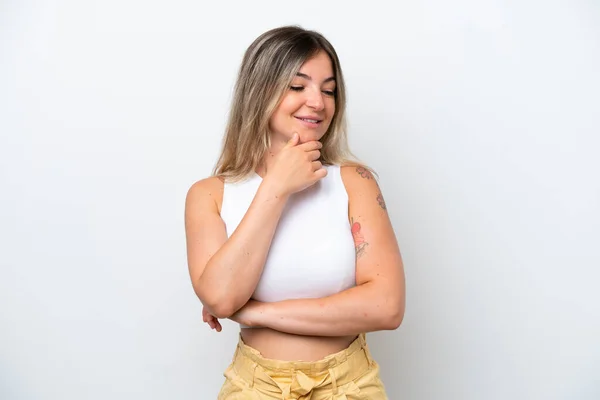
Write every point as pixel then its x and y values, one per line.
pixel 350 374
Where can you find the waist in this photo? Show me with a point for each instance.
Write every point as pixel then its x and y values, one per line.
pixel 282 346
pixel 357 353
pixel 335 374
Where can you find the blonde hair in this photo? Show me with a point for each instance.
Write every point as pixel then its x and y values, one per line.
pixel 268 67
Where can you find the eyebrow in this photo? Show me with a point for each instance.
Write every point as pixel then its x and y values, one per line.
pixel 301 75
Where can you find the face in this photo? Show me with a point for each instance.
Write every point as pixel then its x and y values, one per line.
pixel 308 105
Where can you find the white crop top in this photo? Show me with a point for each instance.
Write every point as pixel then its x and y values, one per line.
pixel 312 254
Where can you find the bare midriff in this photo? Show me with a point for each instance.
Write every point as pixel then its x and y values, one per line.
pixel 288 347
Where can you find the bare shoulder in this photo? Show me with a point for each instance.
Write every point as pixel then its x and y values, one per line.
pixel 205 194
pixel 361 184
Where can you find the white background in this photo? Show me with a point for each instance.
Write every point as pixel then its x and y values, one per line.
pixel 481 117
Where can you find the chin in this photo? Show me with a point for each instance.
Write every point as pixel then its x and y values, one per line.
pixel 309 137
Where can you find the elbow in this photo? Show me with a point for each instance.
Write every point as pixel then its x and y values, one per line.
pixel 221 311
pixel 217 304
pixel 394 321
pixel 219 308
pixel 393 317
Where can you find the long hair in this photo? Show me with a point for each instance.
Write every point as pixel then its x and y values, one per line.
pixel 267 70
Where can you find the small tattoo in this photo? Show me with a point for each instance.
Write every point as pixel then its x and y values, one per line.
pixel 359 240
pixel 365 173
pixel 381 201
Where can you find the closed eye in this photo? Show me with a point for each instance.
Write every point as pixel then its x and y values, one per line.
pixel 301 88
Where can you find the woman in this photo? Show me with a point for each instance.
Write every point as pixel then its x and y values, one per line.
pixel 290 237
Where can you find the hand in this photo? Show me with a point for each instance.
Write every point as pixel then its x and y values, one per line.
pixel 296 166
pixel 211 320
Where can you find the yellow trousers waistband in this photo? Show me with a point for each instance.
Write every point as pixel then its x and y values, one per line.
pixel 293 379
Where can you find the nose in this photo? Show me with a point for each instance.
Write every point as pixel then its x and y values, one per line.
pixel 315 100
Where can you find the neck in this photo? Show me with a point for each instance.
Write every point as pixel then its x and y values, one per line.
pixel 269 157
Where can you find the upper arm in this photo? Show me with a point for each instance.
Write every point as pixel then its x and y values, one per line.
pixel 378 258
pixel 204 229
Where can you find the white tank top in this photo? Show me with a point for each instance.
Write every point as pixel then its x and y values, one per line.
pixel 312 254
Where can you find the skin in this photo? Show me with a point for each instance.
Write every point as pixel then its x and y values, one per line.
pixel 311 94
pixel 303 329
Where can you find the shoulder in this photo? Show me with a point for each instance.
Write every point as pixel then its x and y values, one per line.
pixel 361 184
pixel 358 177
pixel 205 193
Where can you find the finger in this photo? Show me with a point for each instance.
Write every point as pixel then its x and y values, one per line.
pixel 320 173
pixel 316 165
pixel 211 324
pixel 314 155
pixel 312 145
pixel 294 140
pixel 219 327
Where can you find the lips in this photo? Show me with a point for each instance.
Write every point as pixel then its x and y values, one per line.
pixel 311 120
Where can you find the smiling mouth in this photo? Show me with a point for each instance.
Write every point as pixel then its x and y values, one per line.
pixel 312 121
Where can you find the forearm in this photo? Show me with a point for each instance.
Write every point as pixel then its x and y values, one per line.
pixel 364 308
pixel 232 273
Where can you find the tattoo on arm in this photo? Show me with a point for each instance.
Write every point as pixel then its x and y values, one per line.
pixel 359 240
pixel 381 201
pixel 365 173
